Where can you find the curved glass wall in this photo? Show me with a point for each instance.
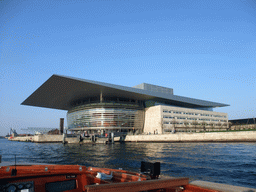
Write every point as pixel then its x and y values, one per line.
pixel 84 118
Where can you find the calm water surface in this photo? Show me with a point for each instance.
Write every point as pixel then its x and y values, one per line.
pixel 231 163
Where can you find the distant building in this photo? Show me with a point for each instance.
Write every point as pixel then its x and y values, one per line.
pixel 101 107
pixel 247 121
pixel 243 124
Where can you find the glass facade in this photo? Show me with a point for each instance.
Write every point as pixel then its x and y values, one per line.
pixel 98 117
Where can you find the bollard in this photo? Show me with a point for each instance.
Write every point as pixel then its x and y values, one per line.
pixel 112 137
pixel 93 138
pixel 63 139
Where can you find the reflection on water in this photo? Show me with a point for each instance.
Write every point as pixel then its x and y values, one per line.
pixel 233 163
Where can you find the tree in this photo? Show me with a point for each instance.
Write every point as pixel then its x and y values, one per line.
pixel 219 125
pixel 204 124
pixel 162 125
pixel 186 123
pixel 174 122
pixel 211 125
pixel 225 125
pixel 229 125
pixel 195 123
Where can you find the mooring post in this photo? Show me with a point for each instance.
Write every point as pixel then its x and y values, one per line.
pixel 63 139
pixel 112 137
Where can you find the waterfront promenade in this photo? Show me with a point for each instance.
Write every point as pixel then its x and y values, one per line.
pixel 237 136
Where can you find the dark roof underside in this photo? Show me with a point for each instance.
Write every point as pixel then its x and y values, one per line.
pixel 59 92
pixel 243 121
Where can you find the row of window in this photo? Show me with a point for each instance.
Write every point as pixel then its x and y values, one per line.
pixel 187 113
pixel 194 119
pixel 180 123
pixel 173 123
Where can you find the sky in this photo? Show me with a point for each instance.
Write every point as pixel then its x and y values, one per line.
pixel 203 49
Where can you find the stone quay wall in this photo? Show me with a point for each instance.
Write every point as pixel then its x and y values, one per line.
pixel 21 138
pixel 54 139
pixel 239 136
pixel 39 138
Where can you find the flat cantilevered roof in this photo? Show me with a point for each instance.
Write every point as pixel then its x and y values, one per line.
pixel 60 92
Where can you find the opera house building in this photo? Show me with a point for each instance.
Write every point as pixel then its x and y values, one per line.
pixel 101 107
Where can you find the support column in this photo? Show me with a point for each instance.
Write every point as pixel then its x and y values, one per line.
pixel 101 98
pixel 61 125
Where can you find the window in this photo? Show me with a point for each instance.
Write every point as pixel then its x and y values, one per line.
pixel 192 119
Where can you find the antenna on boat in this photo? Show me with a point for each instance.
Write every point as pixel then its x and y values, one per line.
pixel 14 171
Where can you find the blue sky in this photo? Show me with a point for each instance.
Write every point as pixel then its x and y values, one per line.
pixel 202 49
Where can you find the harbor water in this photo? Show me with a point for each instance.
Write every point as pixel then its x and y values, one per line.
pixel 230 163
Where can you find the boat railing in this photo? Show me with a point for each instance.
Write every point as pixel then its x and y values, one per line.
pixel 139 185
